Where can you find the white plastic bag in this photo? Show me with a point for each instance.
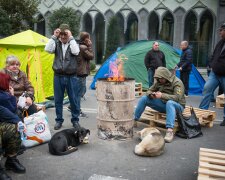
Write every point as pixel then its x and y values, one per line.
pixel 22 102
pixel 37 131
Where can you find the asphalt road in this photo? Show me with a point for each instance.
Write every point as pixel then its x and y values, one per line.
pixel 115 159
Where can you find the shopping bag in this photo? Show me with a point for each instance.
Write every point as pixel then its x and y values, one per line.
pixel 37 129
pixel 189 127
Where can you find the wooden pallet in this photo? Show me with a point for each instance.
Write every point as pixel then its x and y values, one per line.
pixel 205 117
pixel 156 119
pixel 138 89
pixel 211 164
pixel 220 101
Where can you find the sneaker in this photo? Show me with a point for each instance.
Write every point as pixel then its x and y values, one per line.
pixel 76 125
pixel 83 114
pixel 222 123
pixel 169 136
pixel 57 126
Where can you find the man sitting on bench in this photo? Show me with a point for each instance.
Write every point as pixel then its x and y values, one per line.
pixel 166 95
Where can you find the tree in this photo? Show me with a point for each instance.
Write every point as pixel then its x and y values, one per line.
pixel 65 15
pixel 5 28
pixel 113 36
pixel 20 13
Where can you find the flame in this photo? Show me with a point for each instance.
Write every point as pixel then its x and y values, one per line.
pixel 116 72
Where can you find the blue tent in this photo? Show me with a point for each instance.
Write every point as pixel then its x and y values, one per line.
pixel 133 55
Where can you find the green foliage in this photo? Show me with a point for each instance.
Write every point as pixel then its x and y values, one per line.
pixel 20 13
pixel 113 36
pixel 5 28
pixel 65 15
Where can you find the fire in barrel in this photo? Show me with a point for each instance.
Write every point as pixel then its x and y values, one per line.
pixel 115 95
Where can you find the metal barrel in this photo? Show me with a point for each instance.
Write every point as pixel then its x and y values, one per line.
pixel 115 108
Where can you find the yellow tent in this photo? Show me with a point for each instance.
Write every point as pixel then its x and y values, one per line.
pixel 28 46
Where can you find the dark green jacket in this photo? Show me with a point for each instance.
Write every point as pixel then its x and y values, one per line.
pixel 172 90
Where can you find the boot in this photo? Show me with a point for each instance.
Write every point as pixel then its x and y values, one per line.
pixel 12 163
pixel 222 123
pixel 4 175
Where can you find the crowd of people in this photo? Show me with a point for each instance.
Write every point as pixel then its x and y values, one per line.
pixel 71 66
pixel 167 94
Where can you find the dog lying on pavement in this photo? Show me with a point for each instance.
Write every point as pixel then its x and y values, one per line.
pixel 67 140
pixel 152 143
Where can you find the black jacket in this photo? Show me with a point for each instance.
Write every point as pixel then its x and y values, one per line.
pixel 154 59
pixel 217 61
pixel 186 60
pixel 66 66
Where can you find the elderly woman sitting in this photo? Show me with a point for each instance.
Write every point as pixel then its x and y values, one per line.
pixel 20 83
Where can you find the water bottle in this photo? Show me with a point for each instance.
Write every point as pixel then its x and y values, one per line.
pixel 21 129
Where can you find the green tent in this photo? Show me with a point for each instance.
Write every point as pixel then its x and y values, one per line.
pixel 133 56
pixel 28 46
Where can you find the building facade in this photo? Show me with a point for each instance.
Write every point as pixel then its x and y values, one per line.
pixel 168 20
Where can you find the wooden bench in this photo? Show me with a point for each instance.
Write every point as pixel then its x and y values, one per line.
pixel 211 164
pixel 156 119
pixel 220 101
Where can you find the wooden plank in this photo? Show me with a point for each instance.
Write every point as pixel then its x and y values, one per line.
pixel 211 166
pixel 212 151
pixel 211 173
pixel 212 160
pixel 212 155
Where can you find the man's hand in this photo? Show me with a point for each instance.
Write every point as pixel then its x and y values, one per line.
pixel 158 94
pixel 57 32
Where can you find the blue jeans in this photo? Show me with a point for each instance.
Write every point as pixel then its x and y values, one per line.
pixel 82 89
pixel 211 84
pixel 150 76
pixel 170 108
pixel 72 87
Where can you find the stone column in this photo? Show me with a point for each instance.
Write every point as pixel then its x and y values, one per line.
pixel 143 25
pixel 178 27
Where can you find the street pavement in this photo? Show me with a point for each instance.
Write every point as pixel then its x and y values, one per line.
pixel 114 159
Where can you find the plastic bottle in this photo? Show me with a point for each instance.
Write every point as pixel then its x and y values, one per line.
pixel 21 129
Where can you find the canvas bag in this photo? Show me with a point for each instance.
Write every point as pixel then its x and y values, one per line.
pixel 37 129
pixel 189 127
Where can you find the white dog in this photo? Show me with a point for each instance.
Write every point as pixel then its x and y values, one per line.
pixel 152 143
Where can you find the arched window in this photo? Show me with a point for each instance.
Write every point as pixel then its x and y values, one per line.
pixel 41 25
pixel 153 26
pixel 132 28
pixel 190 27
pixel 99 38
pixel 121 25
pixel 204 38
pixel 167 30
pixel 87 23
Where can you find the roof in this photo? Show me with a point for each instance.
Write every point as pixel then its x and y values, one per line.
pixel 25 38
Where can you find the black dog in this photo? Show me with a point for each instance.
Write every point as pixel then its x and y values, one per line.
pixel 67 140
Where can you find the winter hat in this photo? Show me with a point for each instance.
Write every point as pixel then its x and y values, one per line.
pixel 63 27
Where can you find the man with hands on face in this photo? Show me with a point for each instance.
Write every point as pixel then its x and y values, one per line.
pixel 65 48
pixel 166 95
